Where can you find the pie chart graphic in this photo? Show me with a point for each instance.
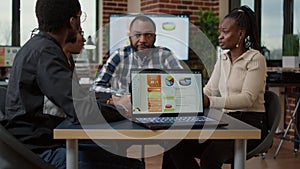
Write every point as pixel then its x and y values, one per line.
pixel 169 80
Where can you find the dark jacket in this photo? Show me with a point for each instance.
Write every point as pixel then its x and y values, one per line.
pixel 41 69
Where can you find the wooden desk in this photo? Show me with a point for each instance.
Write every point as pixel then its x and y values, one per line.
pixel 125 130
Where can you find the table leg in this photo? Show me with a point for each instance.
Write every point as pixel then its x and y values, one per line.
pixel 143 153
pixel 240 154
pixel 72 154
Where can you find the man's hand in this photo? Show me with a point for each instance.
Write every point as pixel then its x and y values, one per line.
pixel 123 101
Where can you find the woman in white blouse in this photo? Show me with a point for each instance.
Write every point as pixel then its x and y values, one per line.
pixel 237 86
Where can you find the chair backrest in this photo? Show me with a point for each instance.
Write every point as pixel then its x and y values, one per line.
pixel 13 154
pixel 2 99
pixel 273 111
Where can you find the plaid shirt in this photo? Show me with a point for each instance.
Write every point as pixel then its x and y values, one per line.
pixel 114 77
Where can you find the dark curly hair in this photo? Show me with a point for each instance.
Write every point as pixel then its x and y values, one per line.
pixel 245 19
pixel 52 15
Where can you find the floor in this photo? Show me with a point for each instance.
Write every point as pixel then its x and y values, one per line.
pixel 286 158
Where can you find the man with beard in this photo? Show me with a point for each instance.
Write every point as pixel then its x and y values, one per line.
pixel 114 77
pixel 41 69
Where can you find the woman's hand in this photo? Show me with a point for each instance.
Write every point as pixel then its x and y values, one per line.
pixel 206 101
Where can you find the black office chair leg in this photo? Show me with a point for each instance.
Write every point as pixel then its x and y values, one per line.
pixel 262 156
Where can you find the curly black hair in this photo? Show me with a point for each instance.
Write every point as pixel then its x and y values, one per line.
pixel 53 15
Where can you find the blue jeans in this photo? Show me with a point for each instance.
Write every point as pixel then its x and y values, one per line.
pixel 91 157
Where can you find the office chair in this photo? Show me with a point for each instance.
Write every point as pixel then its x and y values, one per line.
pixel 273 108
pixel 2 99
pixel 13 153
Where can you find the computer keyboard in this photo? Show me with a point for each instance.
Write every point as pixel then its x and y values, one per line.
pixel 173 119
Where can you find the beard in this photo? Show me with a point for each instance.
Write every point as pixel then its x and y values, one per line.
pixel 144 47
pixel 145 53
pixel 71 38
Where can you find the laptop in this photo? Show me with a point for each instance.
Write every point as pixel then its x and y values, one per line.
pixel 163 99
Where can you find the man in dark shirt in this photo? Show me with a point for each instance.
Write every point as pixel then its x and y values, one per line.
pixel 40 70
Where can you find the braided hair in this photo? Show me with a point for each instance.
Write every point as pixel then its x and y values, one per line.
pixel 245 19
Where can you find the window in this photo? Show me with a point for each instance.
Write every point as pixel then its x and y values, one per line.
pixel 29 21
pixel 296 17
pixel 24 21
pixel 271 27
pixel 89 26
pixel 249 3
pixel 6 22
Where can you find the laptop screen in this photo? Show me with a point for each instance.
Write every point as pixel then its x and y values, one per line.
pixel 161 92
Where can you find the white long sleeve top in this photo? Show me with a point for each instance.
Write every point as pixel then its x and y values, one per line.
pixel 238 86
